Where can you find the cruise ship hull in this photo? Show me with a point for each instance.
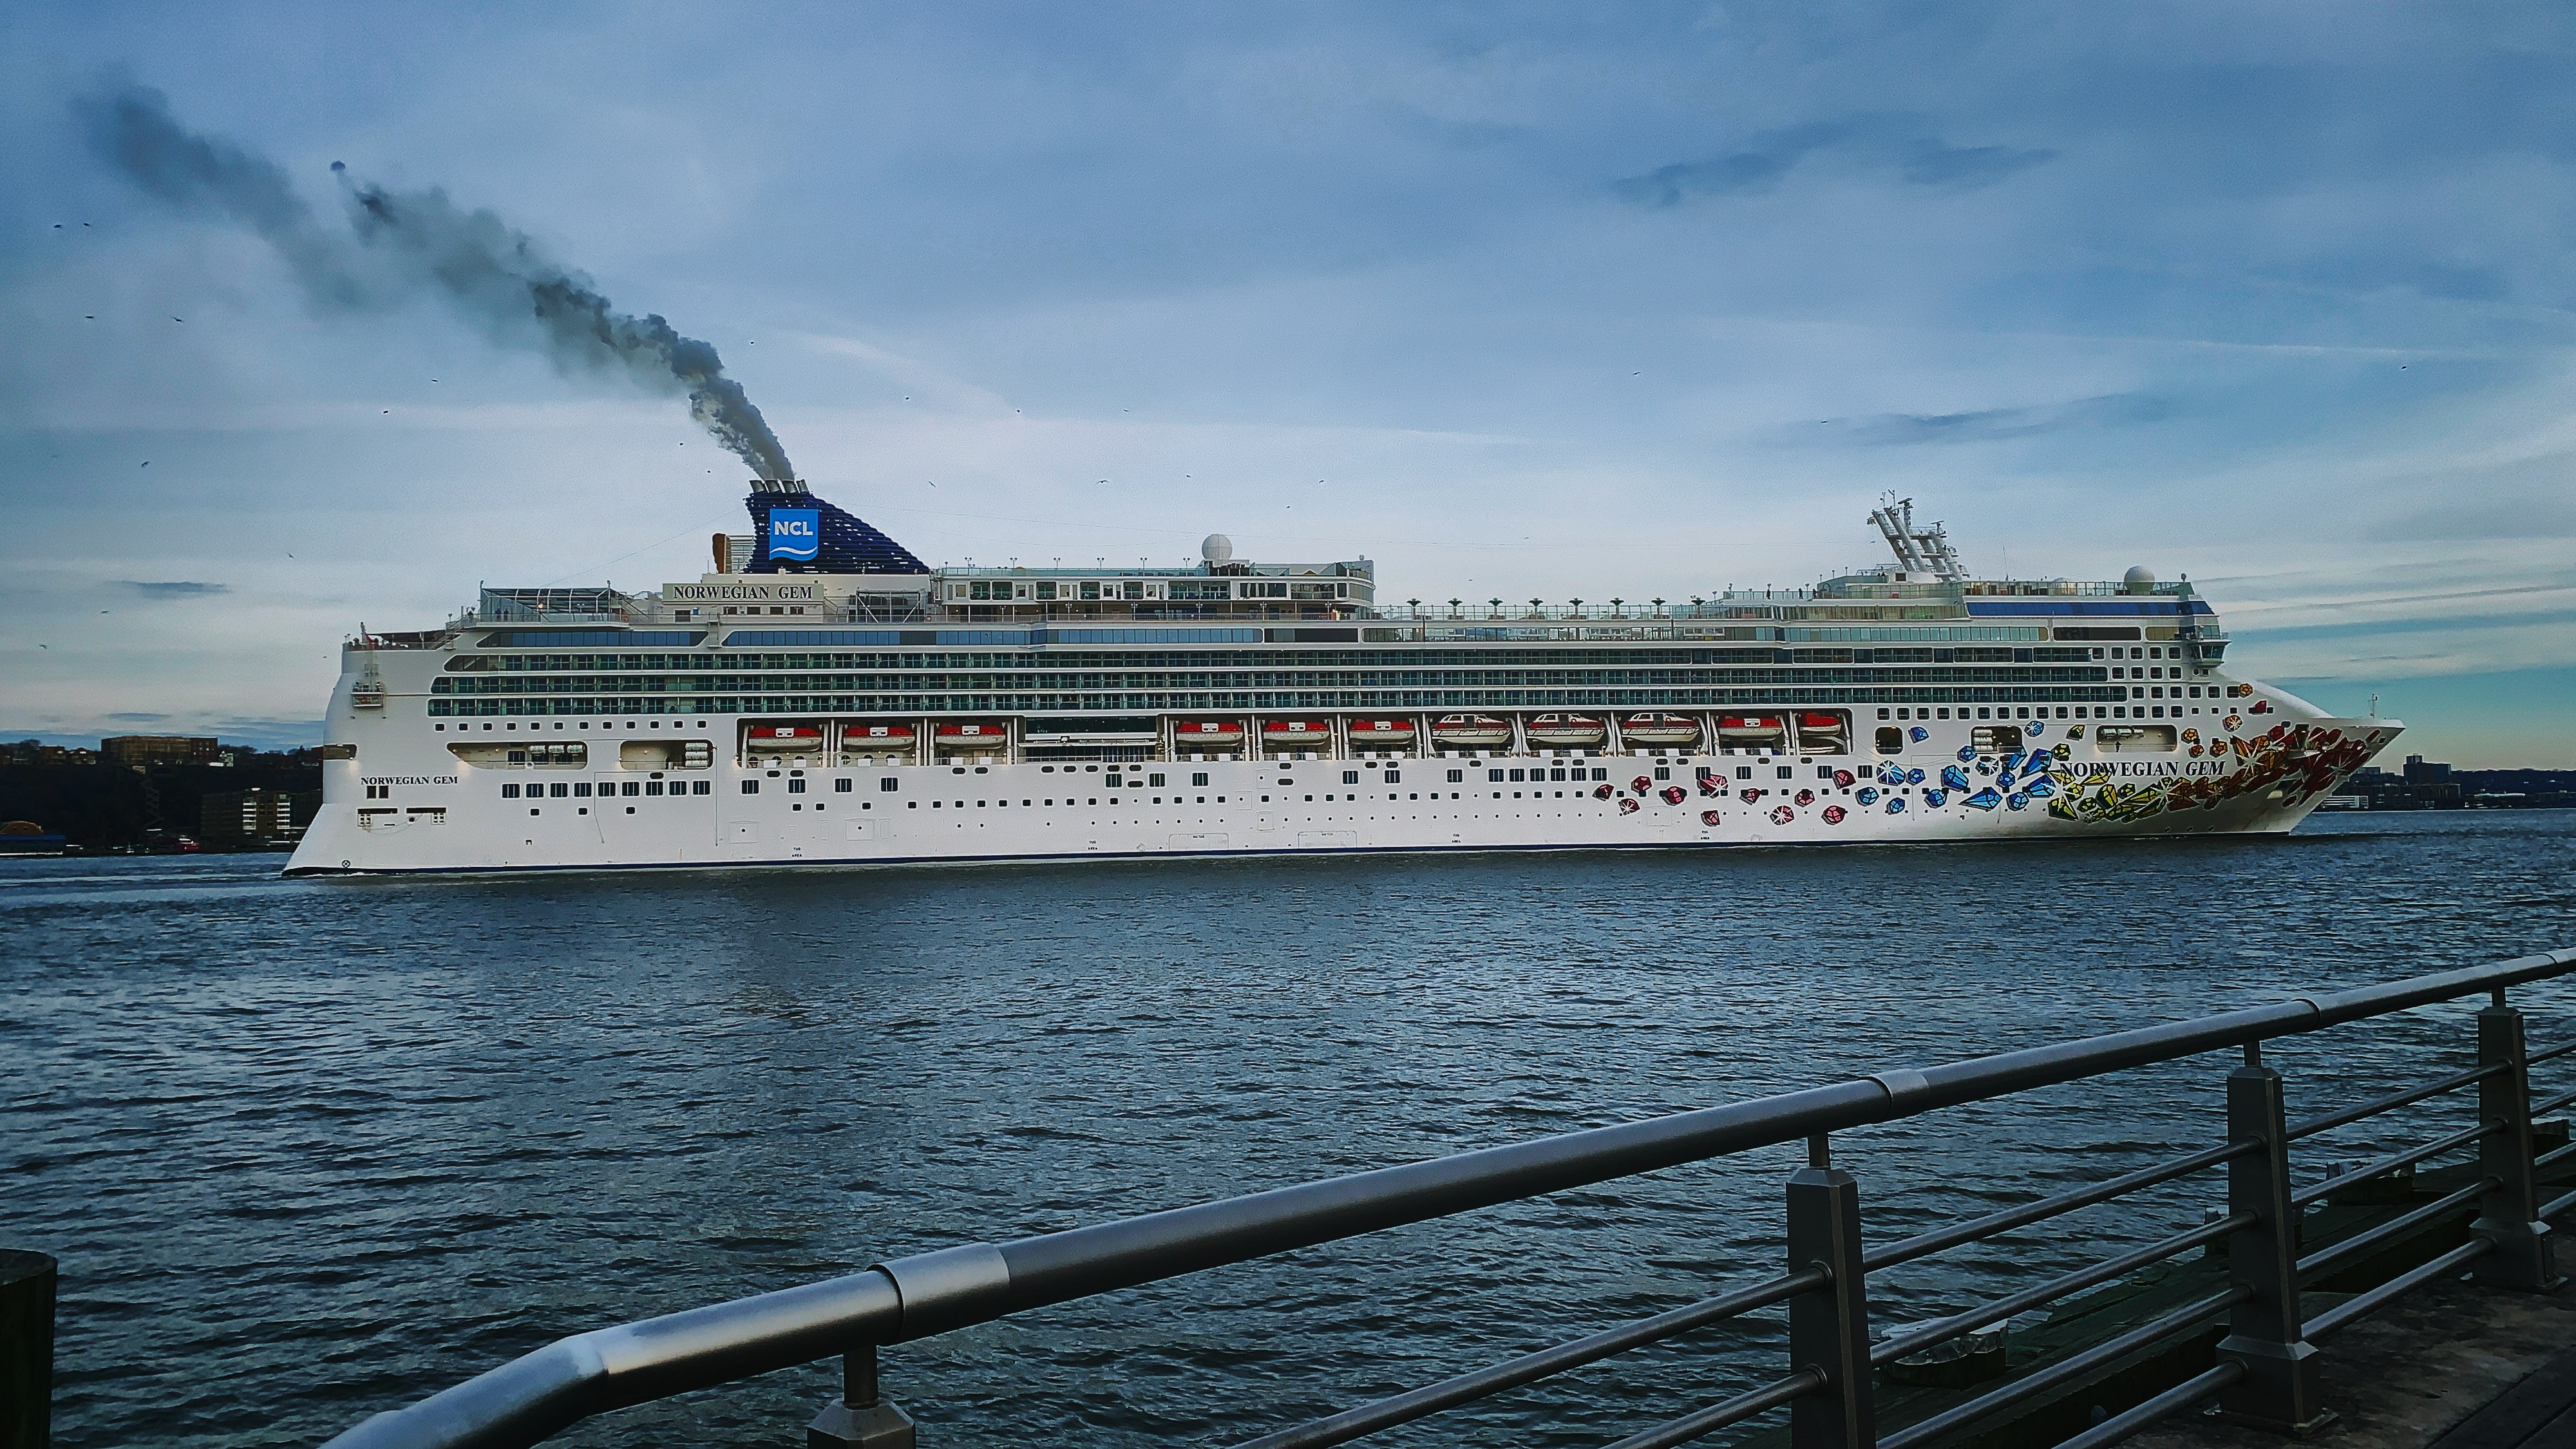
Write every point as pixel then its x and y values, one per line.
pixel 397 809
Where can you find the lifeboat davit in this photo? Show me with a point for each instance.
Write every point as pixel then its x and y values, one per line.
pixel 784 740
pixel 1659 729
pixel 1297 734
pixel 1565 731
pixel 1207 734
pixel 1470 732
pixel 1381 734
pixel 1751 731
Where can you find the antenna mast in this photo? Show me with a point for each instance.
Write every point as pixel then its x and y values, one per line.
pixel 1918 550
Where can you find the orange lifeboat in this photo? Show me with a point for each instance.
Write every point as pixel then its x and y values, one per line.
pixel 783 740
pixel 1565 731
pixel 1207 734
pixel 1659 729
pixel 1297 734
pixel 1751 731
pixel 1470 732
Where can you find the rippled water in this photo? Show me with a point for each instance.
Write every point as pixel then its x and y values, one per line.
pixel 309 1150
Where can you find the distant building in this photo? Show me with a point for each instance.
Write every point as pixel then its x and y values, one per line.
pixel 240 817
pixel 32 752
pixel 139 751
pixel 2421 771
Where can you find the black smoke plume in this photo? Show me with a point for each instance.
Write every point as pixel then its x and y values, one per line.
pixel 397 245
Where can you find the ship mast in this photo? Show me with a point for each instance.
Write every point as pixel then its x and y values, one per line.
pixel 1923 550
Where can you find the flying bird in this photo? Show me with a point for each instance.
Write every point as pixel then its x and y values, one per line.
pixel 178 319
pixel 147 462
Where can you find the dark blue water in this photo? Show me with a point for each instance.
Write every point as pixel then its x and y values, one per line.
pixel 311 1150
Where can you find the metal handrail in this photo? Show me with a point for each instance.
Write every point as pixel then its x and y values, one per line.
pixel 1786 1389
pixel 2376 1105
pixel 1430 1399
pixel 2163 1406
pixel 521 1402
pixel 2317 1263
pixel 2075 1366
pixel 2402 1157
pixel 2362 1305
pixel 1960 1325
pixel 1924 1245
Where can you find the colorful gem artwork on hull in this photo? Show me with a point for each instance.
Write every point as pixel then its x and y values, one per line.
pixel 2305 760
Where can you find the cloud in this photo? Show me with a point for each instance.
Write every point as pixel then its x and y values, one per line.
pixel 1995 424
pixel 174 588
pixel 1965 168
pixel 131 717
pixel 1877 144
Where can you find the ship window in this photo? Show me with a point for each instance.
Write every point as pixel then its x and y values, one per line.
pixel 702 787
pixel 1493 774
pixel 1199 778
pixel 654 787
pixel 1744 772
pixel 556 792
pixel 628 788
pixel 796 786
pixel 1155 781
pixel 1457 777
pixel 1665 773
pixel 751 787
pixel 1516 777
pixel 1552 774
pixel 1350 777
pixel 1601 774
pixel 582 789
pixel 1787 774
pixel 509 792
pixel 888 783
pixel 841 786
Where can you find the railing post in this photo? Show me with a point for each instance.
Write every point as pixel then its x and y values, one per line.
pixel 860 1417
pixel 2264 1331
pixel 2509 1214
pixel 1829 1326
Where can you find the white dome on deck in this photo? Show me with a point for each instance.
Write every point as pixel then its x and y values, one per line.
pixel 1217 549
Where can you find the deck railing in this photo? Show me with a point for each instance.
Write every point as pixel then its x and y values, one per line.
pixel 2265 1364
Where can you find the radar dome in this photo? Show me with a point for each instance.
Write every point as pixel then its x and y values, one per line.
pixel 2139 579
pixel 1217 548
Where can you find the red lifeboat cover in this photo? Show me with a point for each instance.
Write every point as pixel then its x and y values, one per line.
pixel 1381 726
pixel 1820 721
pixel 973 731
pixel 1748 722
pixel 1208 727
pixel 881 732
pixel 785 732
pixel 1298 727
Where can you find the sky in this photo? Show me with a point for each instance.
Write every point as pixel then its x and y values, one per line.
pixel 1518 301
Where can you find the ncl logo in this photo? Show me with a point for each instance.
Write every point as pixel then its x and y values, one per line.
pixel 795 533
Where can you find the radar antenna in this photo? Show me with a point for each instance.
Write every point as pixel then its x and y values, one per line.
pixel 1918 550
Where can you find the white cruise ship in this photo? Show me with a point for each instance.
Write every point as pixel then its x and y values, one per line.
pixel 823 698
